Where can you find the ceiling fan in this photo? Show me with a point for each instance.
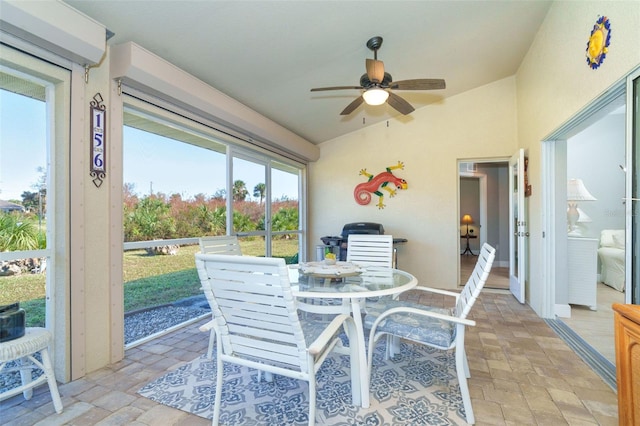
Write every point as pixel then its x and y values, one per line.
pixel 377 85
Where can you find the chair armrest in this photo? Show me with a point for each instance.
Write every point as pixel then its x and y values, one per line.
pixel 208 326
pixel 424 313
pixel 322 309
pixel 437 290
pixel 334 326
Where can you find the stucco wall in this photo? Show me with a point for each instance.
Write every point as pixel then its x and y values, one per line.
pixel 554 83
pixel 480 123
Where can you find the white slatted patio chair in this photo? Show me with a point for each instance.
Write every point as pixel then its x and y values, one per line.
pixel 370 250
pixel 435 327
pixel 218 244
pixel 258 326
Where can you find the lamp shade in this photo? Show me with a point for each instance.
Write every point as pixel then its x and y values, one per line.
pixel 375 96
pixel 467 219
pixel 576 191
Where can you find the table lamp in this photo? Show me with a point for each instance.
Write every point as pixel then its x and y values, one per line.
pixel 576 191
pixel 467 219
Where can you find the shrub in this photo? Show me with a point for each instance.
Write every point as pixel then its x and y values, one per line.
pixel 19 232
pixel 160 217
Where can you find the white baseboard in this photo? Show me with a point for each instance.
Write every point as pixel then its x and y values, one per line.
pixel 501 264
pixel 562 311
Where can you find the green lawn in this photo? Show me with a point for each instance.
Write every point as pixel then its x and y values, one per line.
pixel 148 280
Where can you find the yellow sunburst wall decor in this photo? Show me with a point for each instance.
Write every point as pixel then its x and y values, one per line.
pixel 598 44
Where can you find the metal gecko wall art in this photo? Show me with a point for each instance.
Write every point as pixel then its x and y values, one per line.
pixel 376 183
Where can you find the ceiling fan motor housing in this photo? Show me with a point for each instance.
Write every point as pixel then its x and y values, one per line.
pixel 366 83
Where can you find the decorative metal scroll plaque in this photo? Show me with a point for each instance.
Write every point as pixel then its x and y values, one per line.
pixel 98 140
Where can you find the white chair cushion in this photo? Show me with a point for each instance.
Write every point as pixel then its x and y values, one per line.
pixel 312 329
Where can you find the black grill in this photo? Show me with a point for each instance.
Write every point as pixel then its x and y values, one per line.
pixel 338 244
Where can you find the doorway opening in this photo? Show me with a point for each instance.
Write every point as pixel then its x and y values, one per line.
pixel 603 132
pixel 483 214
pixel 594 156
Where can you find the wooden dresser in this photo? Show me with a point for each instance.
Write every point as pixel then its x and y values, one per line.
pixel 627 328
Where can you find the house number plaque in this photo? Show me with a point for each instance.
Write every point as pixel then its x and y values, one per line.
pixel 98 140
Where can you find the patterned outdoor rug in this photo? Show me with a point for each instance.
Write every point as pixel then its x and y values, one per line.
pixel 417 387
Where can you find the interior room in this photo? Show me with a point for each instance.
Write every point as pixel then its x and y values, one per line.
pixel 596 156
pixel 484 213
pixel 489 149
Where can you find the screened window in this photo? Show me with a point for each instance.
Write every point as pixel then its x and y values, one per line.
pixel 32 95
pixel 183 180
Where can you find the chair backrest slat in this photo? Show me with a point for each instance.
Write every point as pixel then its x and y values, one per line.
pixel 266 338
pixel 220 244
pixel 368 249
pixel 283 354
pixel 476 281
pixel 252 318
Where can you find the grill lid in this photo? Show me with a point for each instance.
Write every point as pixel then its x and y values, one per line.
pixel 362 228
pixel 332 241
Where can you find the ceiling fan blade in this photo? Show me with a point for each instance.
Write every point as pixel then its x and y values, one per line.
pixel 419 84
pixel 400 104
pixel 375 70
pixel 320 89
pixel 352 106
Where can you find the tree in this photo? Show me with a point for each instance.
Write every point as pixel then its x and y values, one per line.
pixel 240 191
pixel 220 194
pixel 30 201
pixel 41 187
pixel 129 190
pixel 259 191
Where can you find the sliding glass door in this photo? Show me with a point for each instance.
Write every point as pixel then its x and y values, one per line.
pixel 285 211
pixel 634 126
pixel 265 205
pixel 250 214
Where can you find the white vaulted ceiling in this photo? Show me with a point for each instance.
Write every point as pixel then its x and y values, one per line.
pixel 269 54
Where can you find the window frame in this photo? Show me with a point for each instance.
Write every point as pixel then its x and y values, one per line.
pixel 57 76
pixel 235 146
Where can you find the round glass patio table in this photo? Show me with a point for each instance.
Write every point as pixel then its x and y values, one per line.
pixel 352 286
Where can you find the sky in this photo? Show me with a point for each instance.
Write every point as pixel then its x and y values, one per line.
pixel 22 144
pixel 151 163
pixel 157 164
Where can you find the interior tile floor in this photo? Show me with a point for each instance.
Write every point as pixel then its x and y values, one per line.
pixel 498 277
pixel 521 373
pixel 596 327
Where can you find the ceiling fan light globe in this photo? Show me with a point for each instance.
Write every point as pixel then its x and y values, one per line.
pixel 375 96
